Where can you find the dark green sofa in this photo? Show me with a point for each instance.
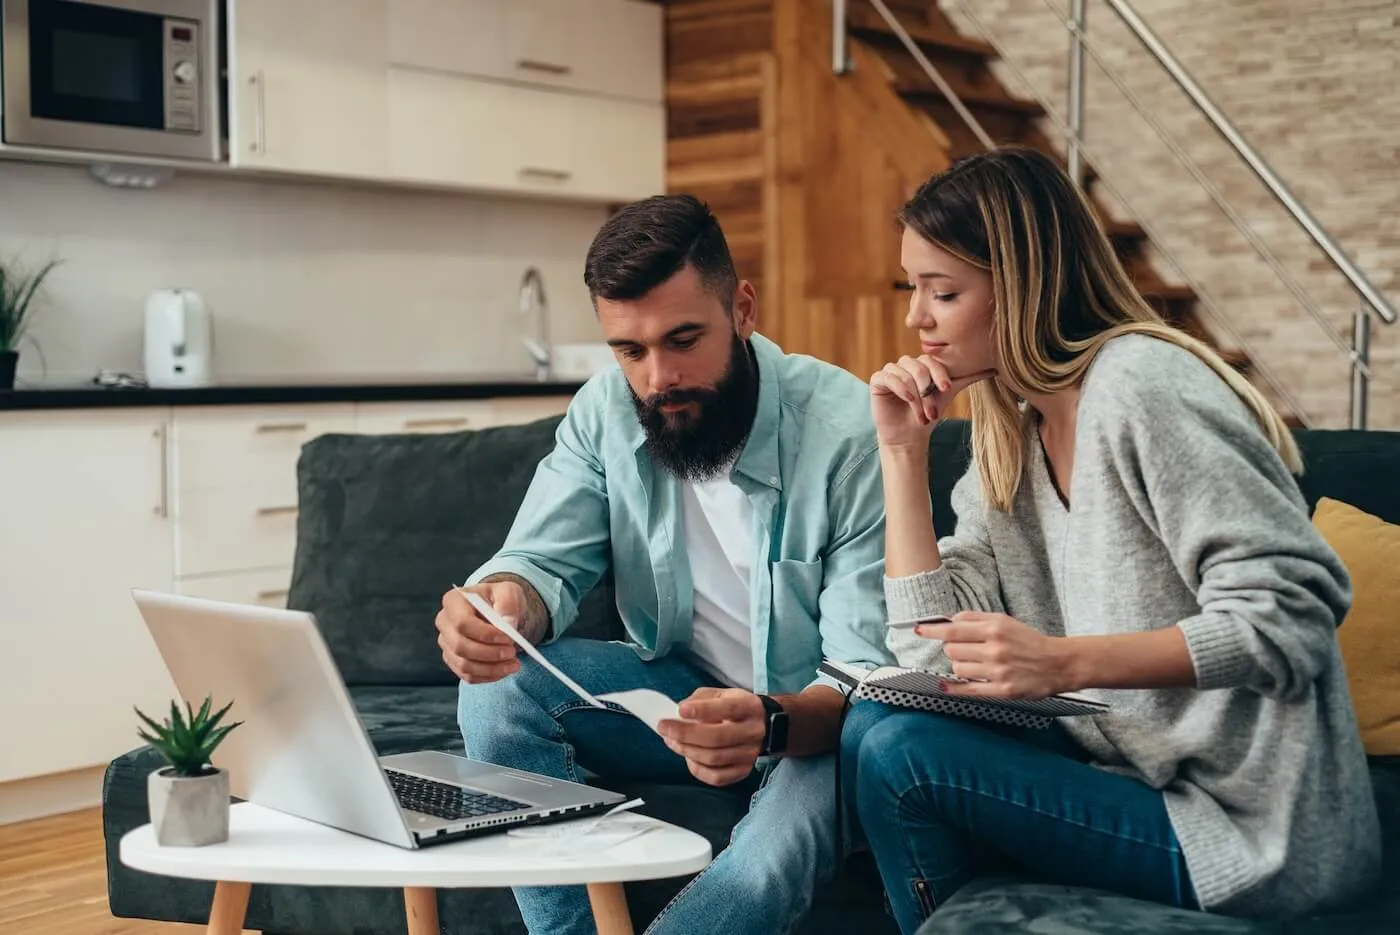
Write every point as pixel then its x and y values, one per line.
pixel 387 523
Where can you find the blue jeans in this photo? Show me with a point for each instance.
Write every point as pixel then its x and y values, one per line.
pixel 941 799
pixel 780 852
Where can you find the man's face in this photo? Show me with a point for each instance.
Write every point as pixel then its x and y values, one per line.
pixel 686 360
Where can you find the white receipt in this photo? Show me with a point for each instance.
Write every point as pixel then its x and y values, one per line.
pixel 646 705
pixel 484 608
pixel 563 842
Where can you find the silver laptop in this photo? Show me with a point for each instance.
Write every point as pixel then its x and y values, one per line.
pixel 303 750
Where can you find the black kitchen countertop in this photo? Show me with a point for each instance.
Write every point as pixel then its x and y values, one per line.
pixel 88 396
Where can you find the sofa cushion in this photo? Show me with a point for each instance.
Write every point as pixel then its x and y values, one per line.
pixel 409 718
pixel 387 523
pixel 1370 633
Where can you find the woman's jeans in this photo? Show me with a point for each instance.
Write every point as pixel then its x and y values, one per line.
pixel 942 799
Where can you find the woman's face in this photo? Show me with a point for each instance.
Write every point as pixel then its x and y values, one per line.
pixel 950 307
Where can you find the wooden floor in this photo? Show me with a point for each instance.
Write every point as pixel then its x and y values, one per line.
pixel 53 881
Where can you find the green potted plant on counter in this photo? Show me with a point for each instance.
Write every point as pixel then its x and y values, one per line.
pixel 17 291
pixel 188 798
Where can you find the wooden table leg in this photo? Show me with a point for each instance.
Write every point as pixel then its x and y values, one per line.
pixel 420 905
pixel 610 908
pixel 230 906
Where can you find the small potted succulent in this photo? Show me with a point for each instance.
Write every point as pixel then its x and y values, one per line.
pixel 189 798
pixel 17 291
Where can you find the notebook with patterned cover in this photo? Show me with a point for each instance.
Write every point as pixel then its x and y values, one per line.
pixel 912 688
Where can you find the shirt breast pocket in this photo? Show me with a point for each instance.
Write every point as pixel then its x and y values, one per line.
pixel 797 586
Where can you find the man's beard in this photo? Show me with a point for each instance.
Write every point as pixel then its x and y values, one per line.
pixel 695 446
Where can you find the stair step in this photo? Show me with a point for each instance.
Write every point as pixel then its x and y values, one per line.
pixel 1167 292
pixel 1236 358
pixel 1123 230
pixel 864 21
pixel 971 97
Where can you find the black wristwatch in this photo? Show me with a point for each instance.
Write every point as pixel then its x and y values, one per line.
pixel 775 730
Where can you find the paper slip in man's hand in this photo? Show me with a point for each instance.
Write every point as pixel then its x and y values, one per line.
pixel 650 707
pixel 487 611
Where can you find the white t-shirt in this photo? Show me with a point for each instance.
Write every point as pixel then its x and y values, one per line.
pixel 719 540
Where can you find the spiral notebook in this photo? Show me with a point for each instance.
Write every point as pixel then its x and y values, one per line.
pixel 914 688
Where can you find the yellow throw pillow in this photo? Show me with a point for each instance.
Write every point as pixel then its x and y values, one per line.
pixel 1370 634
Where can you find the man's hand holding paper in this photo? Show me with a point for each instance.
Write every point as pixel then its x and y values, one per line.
pixel 720 736
pixel 476 650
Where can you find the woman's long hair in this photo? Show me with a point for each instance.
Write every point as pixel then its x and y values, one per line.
pixel 1060 292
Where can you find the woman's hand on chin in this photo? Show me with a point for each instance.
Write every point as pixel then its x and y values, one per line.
pixel 910 396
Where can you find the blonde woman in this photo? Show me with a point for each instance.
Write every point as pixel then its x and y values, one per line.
pixel 1130 528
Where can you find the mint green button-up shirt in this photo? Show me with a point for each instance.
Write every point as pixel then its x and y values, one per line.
pixel 811 470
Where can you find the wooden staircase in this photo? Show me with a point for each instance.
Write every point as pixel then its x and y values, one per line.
pixel 806 169
pixel 964 64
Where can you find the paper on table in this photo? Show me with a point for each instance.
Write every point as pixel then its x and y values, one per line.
pixel 484 608
pixel 562 841
pixel 646 705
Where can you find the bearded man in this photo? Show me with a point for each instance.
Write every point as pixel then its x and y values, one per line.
pixel 734 491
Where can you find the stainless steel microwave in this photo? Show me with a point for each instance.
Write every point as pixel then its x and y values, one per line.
pixel 121 77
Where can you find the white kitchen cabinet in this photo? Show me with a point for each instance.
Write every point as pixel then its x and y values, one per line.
pixel 197 500
pixel 601 47
pixel 618 148
pixel 264 588
pixel 399 418
pixel 235 490
pixel 219 447
pixel 450 130
pixel 396 418
pixel 308 86
pixel 236 529
pixel 518 410
pixel 465 132
pixel 534 97
pixel 85 497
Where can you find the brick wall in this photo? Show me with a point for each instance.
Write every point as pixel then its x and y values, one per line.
pixel 1314 86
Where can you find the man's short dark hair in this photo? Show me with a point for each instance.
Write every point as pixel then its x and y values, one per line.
pixel 649 241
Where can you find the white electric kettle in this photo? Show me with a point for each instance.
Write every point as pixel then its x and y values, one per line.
pixel 179 339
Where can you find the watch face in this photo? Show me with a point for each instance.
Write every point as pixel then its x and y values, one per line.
pixel 779 731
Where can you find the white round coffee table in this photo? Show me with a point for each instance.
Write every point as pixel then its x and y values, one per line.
pixel 265 846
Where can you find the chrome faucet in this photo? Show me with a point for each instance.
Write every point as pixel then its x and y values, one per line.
pixel 532 299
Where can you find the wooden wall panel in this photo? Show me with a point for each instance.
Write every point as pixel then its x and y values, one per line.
pixel 804 170
pixel 716 147
pixel 709 30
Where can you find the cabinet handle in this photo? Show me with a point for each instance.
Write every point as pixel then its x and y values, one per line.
pixel 560 175
pixel 259 144
pixel 434 423
pixel 163 438
pixel 282 427
pixel 276 510
pixel 550 68
pixel 273 593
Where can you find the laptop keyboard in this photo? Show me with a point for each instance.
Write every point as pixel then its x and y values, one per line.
pixel 442 800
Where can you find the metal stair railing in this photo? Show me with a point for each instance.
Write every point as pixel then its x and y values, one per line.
pixel 1372 304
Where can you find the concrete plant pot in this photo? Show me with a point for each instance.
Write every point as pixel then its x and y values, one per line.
pixel 188 811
